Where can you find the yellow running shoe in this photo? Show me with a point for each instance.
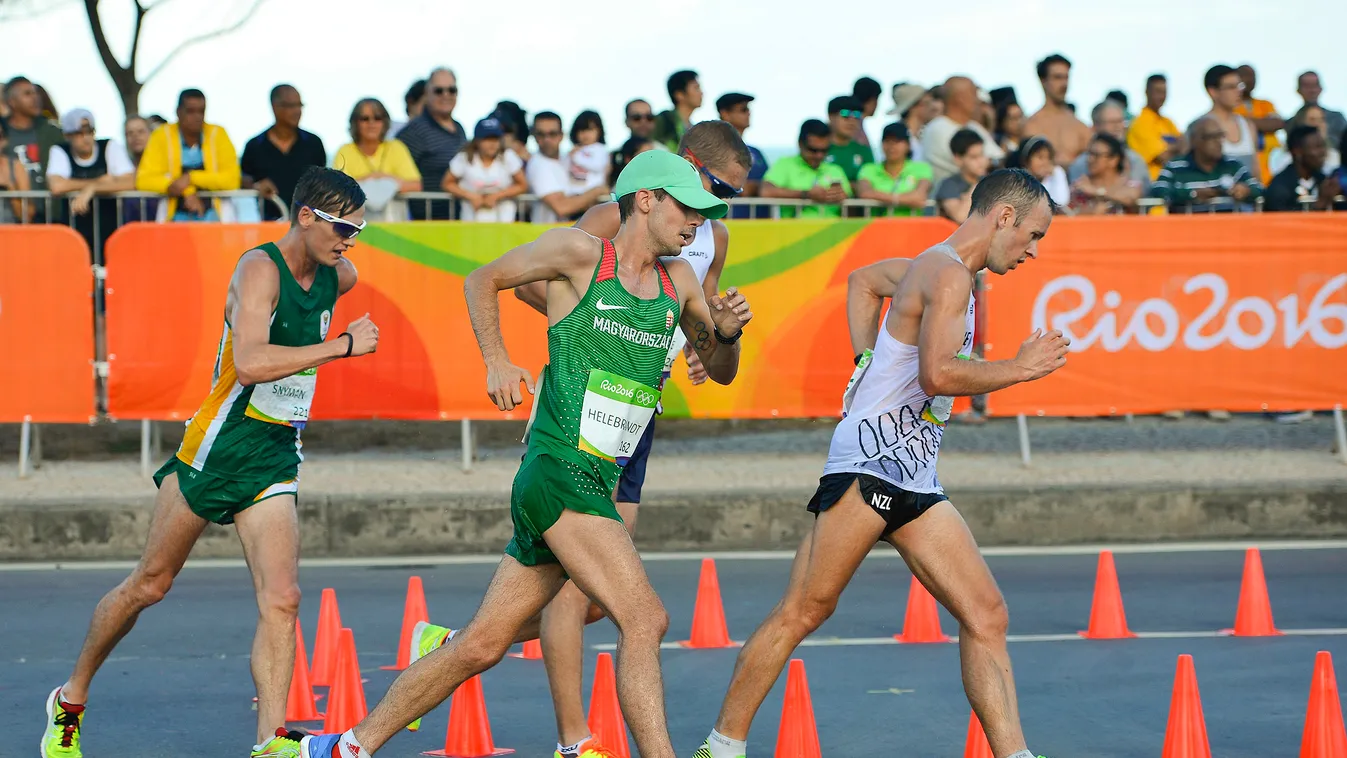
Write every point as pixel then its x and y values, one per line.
pixel 285 744
pixel 62 739
pixel 425 638
pixel 592 749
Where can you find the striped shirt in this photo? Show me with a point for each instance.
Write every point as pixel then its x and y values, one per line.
pixel 432 148
pixel 1181 177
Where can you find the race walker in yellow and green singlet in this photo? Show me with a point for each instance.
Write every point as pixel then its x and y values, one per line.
pixel 597 396
pixel 243 445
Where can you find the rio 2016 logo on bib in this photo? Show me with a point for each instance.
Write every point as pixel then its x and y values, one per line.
pixel 615 414
pixel 324 321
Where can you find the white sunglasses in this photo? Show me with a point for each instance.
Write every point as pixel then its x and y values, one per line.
pixel 344 229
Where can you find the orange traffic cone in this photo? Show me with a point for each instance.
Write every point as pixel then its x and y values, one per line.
pixel 708 617
pixel 922 623
pixel 1107 619
pixel 413 612
pixel 976 746
pixel 798 735
pixel 346 700
pixel 469 734
pixel 1186 734
pixel 605 715
pixel 1324 735
pixel 533 651
pixel 1253 618
pixel 326 641
pixel 299 705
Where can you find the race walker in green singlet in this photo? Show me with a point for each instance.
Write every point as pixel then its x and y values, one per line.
pixel 606 359
pixel 613 307
pixel 243 445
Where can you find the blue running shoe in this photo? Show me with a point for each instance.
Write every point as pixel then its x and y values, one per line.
pixel 318 745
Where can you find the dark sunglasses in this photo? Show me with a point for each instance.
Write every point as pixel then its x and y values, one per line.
pixel 641 117
pixel 370 117
pixel 344 229
pixel 546 135
pixel 719 187
pixel 847 113
pixel 453 90
pixel 813 150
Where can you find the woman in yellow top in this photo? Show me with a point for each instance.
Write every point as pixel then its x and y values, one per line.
pixel 371 155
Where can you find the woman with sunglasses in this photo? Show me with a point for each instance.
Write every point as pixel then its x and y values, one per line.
pixel 239 459
pixel 370 154
pixel 1106 187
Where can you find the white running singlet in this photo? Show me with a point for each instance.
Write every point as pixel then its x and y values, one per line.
pixel 699 253
pixel 892 429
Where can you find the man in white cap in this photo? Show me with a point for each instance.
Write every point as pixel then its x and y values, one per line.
pixel 88 166
pixel 915 106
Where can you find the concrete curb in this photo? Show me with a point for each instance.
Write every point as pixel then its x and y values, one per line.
pixel 336 525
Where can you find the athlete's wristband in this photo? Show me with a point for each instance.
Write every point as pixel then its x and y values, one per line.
pixel 350 343
pixel 722 339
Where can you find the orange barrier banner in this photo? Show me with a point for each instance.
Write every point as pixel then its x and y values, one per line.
pixel 168 282
pixel 46 326
pixel 1239 313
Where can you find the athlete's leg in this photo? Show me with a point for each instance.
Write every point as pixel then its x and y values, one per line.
pixel 598 554
pixel 563 640
pixel 516 593
pixel 174 529
pixel 942 554
pixel 269 531
pixel 824 564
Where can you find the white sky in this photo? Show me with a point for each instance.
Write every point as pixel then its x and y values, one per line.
pixel 566 57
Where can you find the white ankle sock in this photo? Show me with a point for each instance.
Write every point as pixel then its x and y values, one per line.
pixel 1021 754
pixel 573 750
pixel 349 747
pixel 724 747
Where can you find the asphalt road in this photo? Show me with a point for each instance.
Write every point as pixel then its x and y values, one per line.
pixel 179 684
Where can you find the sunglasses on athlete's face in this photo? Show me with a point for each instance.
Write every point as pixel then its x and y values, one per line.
pixel 719 187
pixel 344 229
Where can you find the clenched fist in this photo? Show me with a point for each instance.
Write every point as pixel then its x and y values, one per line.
pixel 730 312
pixel 364 336
pixel 1042 354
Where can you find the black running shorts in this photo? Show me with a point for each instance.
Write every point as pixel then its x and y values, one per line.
pixel 894 504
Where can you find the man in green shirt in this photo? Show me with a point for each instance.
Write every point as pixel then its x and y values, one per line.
pixel 844 123
pixel 902 184
pixel 807 177
pixel 1205 179
pixel 686 94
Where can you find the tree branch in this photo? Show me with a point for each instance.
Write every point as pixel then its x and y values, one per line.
pixel 199 38
pixel 135 35
pixel 101 40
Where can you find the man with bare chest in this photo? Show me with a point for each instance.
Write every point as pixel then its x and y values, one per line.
pixel 1055 121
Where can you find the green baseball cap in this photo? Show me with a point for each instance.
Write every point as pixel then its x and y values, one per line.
pixel 657 169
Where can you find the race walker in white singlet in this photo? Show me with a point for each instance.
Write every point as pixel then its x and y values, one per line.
pixel 891 428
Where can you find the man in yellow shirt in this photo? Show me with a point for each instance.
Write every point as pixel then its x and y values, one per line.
pixel 1153 136
pixel 1264 117
pixel 186 157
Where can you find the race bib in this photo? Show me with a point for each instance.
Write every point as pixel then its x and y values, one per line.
pixel 284 401
pixel 849 393
pixel 615 414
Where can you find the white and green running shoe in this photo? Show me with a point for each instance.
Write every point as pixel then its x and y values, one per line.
pixel 285 744
pixel 705 751
pixel 62 738
pixel 425 638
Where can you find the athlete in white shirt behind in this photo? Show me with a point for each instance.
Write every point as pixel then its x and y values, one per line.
pixel 880 480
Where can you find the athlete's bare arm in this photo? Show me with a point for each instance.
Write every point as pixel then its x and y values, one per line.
pixel 566 256
pixel 867 287
pixel 602 221
pixel 943 289
pixel 346 276
pixel 700 319
pixel 253 294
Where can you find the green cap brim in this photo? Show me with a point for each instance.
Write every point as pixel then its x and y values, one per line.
pixel 700 200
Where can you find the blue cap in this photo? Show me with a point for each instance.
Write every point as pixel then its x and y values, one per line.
pixel 488 127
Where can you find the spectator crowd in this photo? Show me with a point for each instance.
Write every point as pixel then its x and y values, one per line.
pixel 941 140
